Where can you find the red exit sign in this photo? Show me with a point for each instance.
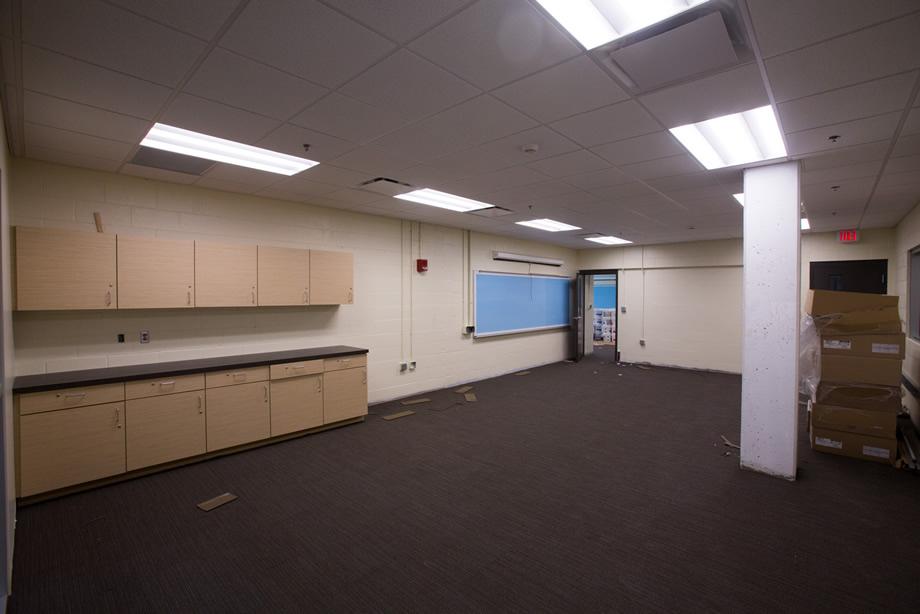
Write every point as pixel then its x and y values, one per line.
pixel 848 236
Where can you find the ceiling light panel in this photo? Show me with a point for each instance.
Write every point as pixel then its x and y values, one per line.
pixel 548 225
pixel 608 240
pixel 443 200
pixel 732 140
pixel 178 140
pixel 597 22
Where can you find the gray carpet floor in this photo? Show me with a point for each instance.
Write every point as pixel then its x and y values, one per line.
pixel 584 487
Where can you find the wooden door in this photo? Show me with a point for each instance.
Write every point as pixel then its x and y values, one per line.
pixel 225 275
pixel 155 273
pixel 331 278
pixel 237 414
pixel 70 446
pixel 296 404
pixel 284 276
pixel 164 428
pixel 344 394
pixel 64 269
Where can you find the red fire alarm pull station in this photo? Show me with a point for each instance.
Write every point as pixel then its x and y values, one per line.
pixel 421 265
pixel 848 236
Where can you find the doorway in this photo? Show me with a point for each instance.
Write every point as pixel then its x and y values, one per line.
pixel 595 317
pixel 850 276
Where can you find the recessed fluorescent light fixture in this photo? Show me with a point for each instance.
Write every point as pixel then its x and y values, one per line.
pixel 608 240
pixel 427 196
pixel 548 225
pixel 730 140
pixel 178 140
pixel 596 22
pixel 805 224
pixel 740 198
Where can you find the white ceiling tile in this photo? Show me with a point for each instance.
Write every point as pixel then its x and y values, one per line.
pixel 401 21
pixel 840 173
pixel 907 146
pixel 193 113
pixel 376 161
pixel 868 54
pixel 468 124
pixel 242 175
pixel 67 158
pixel 732 91
pixel 682 164
pixel 226 185
pixel 573 163
pixel 912 124
pixel 856 132
pixel 46 137
pixel 63 77
pixel 505 152
pixel 303 186
pixel 883 219
pixel 567 89
pixel 640 148
pixel 904 164
pixel 357 197
pixel 240 82
pixel 148 172
pixel 598 179
pixel 849 103
pixel 201 18
pixel 305 38
pixel 837 195
pixel 290 139
pixel 899 180
pixel 526 194
pixel 327 173
pixel 409 85
pixel 613 123
pixel 111 37
pixel 784 25
pixel 496 41
pixel 506 178
pixel 49 111
pixel 349 119
pixel 423 175
pixel 846 156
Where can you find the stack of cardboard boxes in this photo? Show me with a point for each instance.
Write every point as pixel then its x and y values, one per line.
pixel 854 410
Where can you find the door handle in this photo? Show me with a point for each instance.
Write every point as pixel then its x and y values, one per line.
pixel 117 417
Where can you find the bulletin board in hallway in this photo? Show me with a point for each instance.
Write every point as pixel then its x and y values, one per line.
pixel 507 303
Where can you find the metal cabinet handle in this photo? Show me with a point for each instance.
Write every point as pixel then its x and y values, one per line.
pixel 200 408
pixel 265 388
pixel 364 379
pixel 306 296
pixel 72 395
pixel 351 295
pixel 108 296
pixel 118 417
pixel 188 297
pixel 238 376
pixel 319 384
pixel 169 383
pixel 299 367
pixel 253 295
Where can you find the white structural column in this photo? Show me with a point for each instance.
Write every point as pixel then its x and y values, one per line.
pixel 770 346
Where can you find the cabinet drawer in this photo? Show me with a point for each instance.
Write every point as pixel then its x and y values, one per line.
pixel 296 369
pixel 163 385
pixel 346 362
pixel 66 398
pixel 70 446
pixel 236 376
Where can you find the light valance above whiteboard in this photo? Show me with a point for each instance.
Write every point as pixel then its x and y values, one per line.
pixel 507 303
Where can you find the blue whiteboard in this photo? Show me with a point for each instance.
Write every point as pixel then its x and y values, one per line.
pixel 508 303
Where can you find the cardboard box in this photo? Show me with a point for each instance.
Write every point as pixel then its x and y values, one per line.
pixel 853 312
pixel 877 449
pixel 851 420
pixel 859 396
pixel 861 370
pixel 870 346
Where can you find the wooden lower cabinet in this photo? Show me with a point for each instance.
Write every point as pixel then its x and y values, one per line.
pixel 70 446
pixel 297 404
pixel 237 414
pixel 344 394
pixel 165 428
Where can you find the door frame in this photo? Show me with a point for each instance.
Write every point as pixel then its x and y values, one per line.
pixel 580 308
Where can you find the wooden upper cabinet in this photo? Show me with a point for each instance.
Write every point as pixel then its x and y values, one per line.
pixel 64 269
pixel 284 276
pixel 155 273
pixel 225 275
pixel 331 278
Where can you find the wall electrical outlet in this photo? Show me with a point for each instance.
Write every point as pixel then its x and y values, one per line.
pixel 145 336
pixel 622 308
pixel 121 337
pixel 403 367
pixel 642 342
pixel 412 365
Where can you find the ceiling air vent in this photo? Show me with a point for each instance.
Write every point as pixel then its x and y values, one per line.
pixel 169 161
pixel 385 186
pixel 702 40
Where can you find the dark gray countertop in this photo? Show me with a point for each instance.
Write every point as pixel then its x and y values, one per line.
pixel 108 375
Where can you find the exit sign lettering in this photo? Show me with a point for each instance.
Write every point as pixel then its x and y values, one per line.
pixel 848 236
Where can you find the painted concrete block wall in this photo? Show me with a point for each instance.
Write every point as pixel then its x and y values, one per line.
pixel 398 314
pixel 907 238
pixel 874 244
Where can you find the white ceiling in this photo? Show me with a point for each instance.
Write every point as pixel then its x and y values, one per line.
pixel 445 93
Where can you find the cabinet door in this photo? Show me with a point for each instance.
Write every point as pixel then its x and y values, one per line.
pixel 164 428
pixel 237 415
pixel 344 394
pixel 70 446
pixel 64 269
pixel 331 278
pixel 284 276
pixel 297 404
pixel 225 275
pixel 155 273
